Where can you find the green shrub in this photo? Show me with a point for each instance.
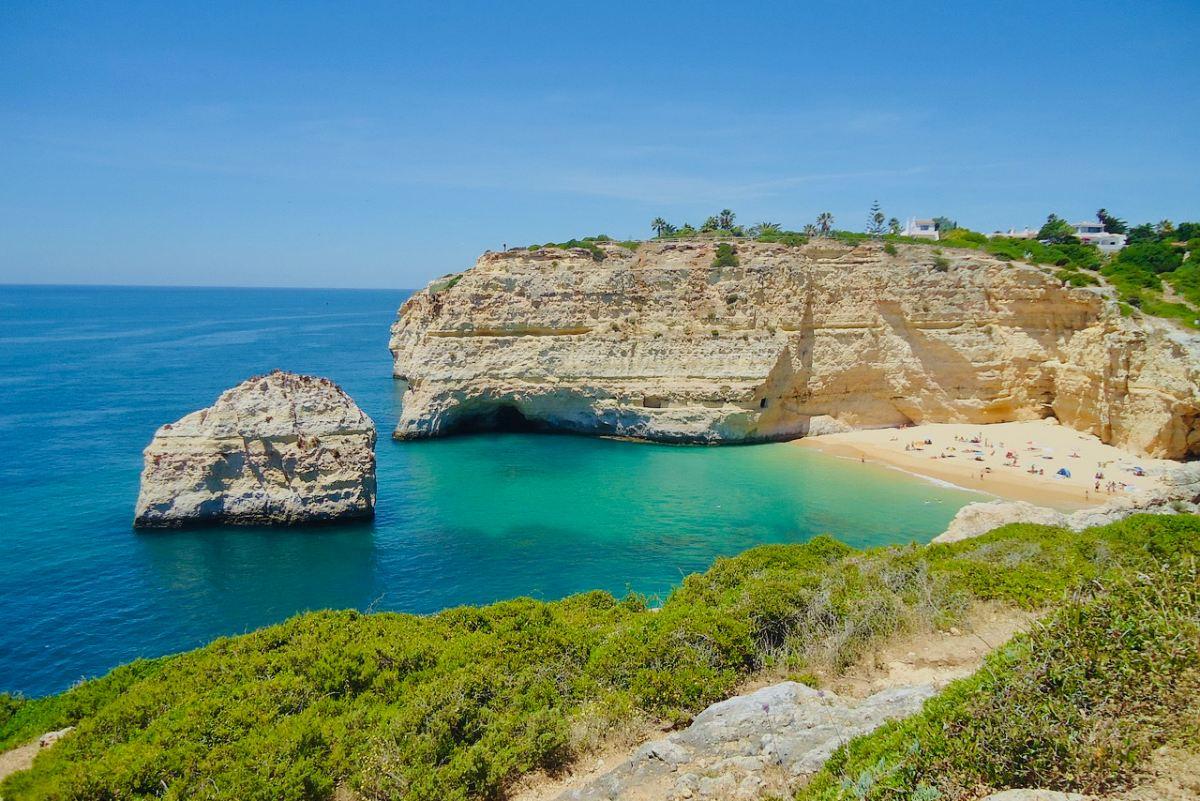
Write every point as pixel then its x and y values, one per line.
pixel 1153 257
pixel 1076 278
pixel 459 704
pixel 1186 279
pixel 1076 705
pixel 964 235
pixel 588 243
pixel 789 238
pixel 941 264
pixel 889 249
pixel 726 256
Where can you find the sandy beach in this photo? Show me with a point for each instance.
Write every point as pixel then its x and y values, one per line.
pixel 998 459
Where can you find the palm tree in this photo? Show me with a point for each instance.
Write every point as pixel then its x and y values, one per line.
pixel 711 224
pixel 659 225
pixel 810 230
pixel 725 219
pixel 825 222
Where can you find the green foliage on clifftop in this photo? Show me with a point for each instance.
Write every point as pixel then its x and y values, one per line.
pixel 458 704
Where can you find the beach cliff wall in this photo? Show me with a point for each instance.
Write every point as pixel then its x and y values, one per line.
pixel 664 343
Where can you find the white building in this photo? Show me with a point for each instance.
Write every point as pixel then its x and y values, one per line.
pixel 1091 232
pixel 1013 233
pixel 921 229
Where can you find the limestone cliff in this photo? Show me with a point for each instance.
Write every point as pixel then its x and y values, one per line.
pixel 280 449
pixel 659 343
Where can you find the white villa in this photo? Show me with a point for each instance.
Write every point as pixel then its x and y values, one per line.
pixel 1091 232
pixel 1013 233
pixel 922 229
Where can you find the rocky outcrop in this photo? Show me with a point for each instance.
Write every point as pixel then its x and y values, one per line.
pixel 279 449
pixel 659 343
pixel 1179 495
pixel 751 746
pixel 979 518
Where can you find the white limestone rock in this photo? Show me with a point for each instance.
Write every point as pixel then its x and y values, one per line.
pixel 979 518
pixel 750 746
pixel 657 343
pixel 279 449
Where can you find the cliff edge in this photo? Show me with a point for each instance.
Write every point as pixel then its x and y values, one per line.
pixel 666 342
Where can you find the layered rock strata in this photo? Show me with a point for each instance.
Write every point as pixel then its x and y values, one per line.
pixel 279 449
pixel 660 343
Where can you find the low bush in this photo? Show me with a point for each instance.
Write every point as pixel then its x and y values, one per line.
pixel 588 243
pixel 726 256
pixel 459 704
pixel 1076 278
pixel 1076 705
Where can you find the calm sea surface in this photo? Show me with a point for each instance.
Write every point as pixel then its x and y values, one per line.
pixel 87 374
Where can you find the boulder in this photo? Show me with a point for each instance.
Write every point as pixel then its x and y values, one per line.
pixel 279 449
pixel 751 746
pixel 979 518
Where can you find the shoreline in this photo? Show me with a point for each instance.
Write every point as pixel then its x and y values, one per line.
pixel 944 452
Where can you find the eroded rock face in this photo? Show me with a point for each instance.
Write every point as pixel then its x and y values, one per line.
pixel 751 746
pixel 279 449
pixel 659 344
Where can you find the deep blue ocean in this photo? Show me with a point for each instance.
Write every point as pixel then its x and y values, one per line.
pixel 88 373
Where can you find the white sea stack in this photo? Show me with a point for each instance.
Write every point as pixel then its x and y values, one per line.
pixel 279 449
pixel 661 343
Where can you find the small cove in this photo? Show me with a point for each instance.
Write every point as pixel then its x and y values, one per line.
pixel 89 373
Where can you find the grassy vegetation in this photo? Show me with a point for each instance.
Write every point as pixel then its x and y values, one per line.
pixel 726 256
pixel 445 283
pixel 1077 705
pixel 588 243
pixel 1074 257
pixel 457 705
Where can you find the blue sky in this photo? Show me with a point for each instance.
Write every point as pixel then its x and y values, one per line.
pixel 381 145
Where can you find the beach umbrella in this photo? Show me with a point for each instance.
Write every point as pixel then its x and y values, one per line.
pixel 1064 472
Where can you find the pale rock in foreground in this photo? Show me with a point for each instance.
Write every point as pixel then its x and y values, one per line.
pixel 979 518
pixel 659 343
pixel 750 746
pixel 279 449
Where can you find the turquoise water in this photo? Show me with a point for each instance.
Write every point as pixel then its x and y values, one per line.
pixel 87 374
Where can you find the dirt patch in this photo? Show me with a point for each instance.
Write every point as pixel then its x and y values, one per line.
pixel 21 757
pixel 17 759
pixel 937 657
pixel 1174 776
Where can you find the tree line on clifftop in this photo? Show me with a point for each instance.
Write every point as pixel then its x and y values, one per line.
pixel 1157 273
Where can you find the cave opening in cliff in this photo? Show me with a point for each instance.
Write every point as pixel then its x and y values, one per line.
pixel 502 417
